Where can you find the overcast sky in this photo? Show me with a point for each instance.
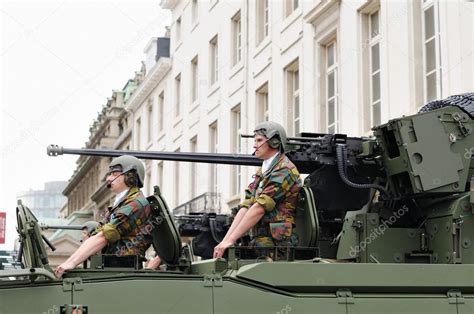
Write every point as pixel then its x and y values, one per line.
pixel 60 61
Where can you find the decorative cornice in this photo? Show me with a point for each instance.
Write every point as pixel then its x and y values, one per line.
pixel 157 73
pixel 168 4
pixel 316 12
pixel 78 174
pixel 122 138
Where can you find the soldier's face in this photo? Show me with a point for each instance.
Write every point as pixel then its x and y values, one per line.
pixel 262 149
pixel 116 181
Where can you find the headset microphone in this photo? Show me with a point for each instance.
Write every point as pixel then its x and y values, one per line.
pixel 109 184
pixel 253 154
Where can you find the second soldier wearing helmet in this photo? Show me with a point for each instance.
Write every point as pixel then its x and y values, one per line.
pixel 270 200
pixel 124 222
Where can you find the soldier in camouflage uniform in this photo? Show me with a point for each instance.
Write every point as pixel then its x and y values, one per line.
pixel 270 200
pixel 127 225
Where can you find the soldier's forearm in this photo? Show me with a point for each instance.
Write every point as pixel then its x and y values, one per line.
pixel 250 219
pixel 91 246
pixel 236 221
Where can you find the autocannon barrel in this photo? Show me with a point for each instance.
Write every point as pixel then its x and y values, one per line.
pixel 71 227
pixel 214 158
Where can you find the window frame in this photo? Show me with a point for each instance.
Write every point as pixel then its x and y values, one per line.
pixel 214 60
pixel 372 42
pixel 331 69
pixel 425 6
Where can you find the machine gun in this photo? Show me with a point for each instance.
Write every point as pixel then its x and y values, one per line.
pixel 407 183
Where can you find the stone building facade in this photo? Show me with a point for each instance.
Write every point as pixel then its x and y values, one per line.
pixel 318 66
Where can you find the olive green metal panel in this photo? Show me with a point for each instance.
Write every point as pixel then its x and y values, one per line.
pixel 426 152
pixel 33 299
pixel 432 147
pixel 467 240
pixel 441 240
pixel 234 297
pixel 347 248
pixel 395 304
pixel 467 307
pixel 306 219
pixel 406 278
pixel 152 295
pixel 374 236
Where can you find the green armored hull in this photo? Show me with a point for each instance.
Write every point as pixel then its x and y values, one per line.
pixel 284 287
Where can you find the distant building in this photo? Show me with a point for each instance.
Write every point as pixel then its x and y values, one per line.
pixel 45 203
pixel 8 261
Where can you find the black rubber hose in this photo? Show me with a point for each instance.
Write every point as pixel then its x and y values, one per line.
pixel 213 227
pixel 341 154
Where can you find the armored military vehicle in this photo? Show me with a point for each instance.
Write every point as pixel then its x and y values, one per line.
pixel 385 225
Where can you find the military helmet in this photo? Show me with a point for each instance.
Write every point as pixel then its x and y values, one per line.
pixel 274 132
pixel 127 163
pixel 90 226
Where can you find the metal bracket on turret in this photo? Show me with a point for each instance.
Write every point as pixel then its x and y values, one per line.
pixel 344 296
pixel 212 280
pixel 465 130
pixel 471 198
pixel 455 297
pixel 72 284
pixel 456 233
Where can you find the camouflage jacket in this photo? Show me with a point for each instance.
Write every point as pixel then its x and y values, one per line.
pixel 277 191
pixel 127 225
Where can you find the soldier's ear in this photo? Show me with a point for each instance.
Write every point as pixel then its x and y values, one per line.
pixel 131 179
pixel 274 142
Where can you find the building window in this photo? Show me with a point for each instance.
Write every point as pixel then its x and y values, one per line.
pixel 236 141
pixel 262 103
pixel 178 30
pixel 214 60
pixel 138 131
pixel 293 97
pixel 159 175
pixel 194 79
pixel 149 188
pixel 331 101
pixel 431 54
pixel 193 175
pixel 262 20
pixel 374 65
pixel 177 105
pixel 161 106
pixel 213 148
pixel 150 120
pixel 195 11
pixel 176 180
pixel 236 39
pixel 290 6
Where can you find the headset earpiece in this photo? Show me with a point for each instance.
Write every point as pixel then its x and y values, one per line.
pixel 274 142
pixel 131 179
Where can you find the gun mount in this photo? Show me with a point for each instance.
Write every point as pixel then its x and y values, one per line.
pixel 359 181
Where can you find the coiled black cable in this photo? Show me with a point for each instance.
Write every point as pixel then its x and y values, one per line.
pixel 341 155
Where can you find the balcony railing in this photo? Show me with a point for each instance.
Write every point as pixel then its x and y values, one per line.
pixel 209 202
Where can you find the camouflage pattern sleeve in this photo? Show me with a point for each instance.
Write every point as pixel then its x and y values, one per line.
pixel 123 222
pixel 250 192
pixel 277 188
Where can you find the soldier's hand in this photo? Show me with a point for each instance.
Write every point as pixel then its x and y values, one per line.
pixel 220 249
pixel 59 271
pixel 154 263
